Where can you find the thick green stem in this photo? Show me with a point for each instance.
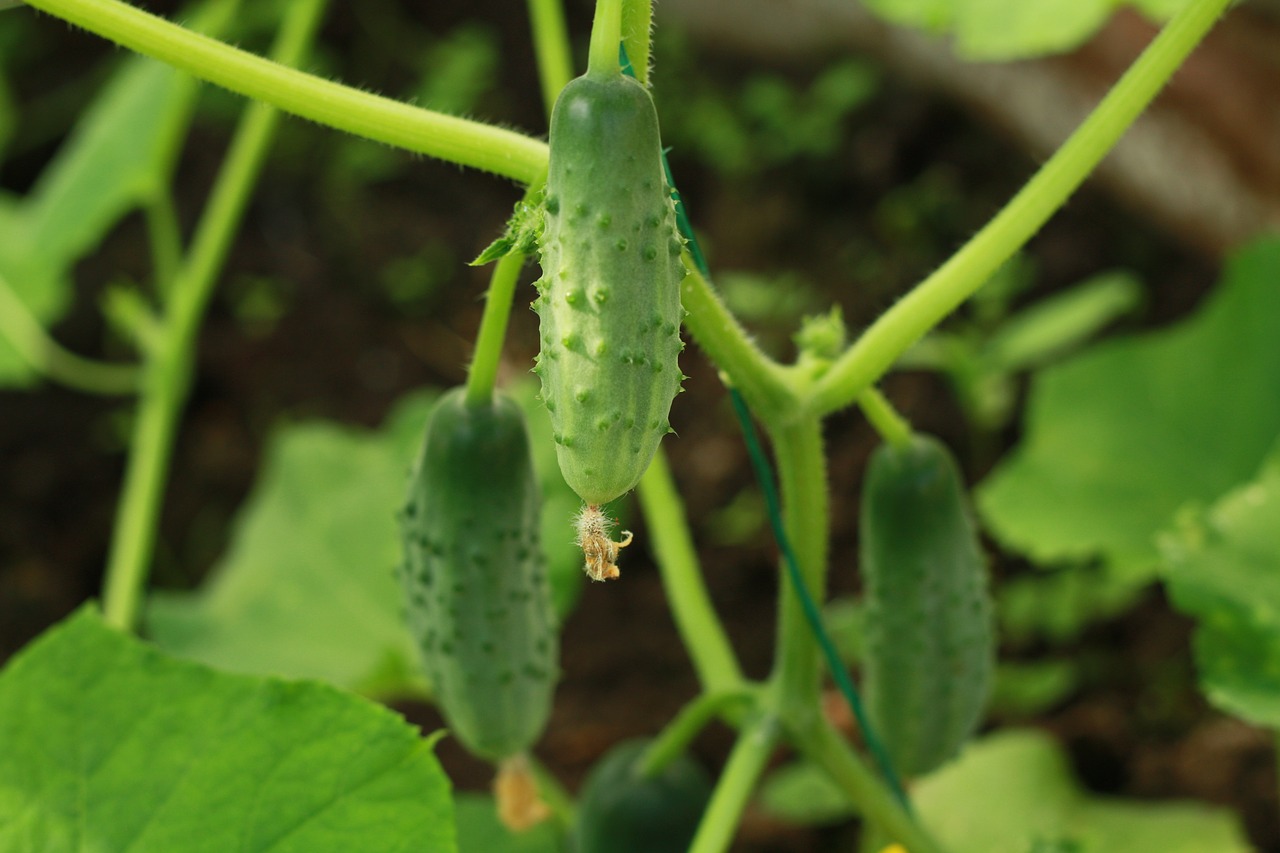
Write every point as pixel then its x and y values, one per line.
pixel 457 140
pixel 750 753
pixel 767 386
pixel 551 47
pixel 956 280
pixel 691 607
pixel 493 328
pixel 802 479
pixel 169 365
pixel 46 356
pixel 606 34
pixel 823 745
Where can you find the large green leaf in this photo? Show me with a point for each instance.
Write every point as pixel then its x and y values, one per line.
pixel 308 587
pixel 1224 569
pixel 108 745
pixel 997 30
pixel 1120 437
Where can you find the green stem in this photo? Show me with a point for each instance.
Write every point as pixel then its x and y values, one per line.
pixel 169 367
pixel 46 356
pixel 766 385
pixel 637 27
pixel 802 479
pixel 680 732
pixel 691 607
pixel 746 762
pixel 551 48
pixel 822 744
pixel 457 140
pixel 884 419
pixel 606 34
pixel 166 240
pixel 921 309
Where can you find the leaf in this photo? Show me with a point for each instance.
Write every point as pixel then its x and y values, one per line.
pixel 1223 568
pixel 1119 437
pixel 803 794
pixel 480 831
pixel 1026 773
pixel 119 155
pixel 307 587
pixel 109 745
pixel 995 30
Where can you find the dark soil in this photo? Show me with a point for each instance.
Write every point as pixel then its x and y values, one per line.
pixel 343 348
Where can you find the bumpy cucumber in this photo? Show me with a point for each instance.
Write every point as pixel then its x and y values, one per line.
pixel 930 641
pixel 474 576
pixel 620 811
pixel 609 296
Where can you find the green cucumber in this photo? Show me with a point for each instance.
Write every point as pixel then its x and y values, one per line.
pixel 930 638
pixel 609 296
pixel 474 576
pixel 620 811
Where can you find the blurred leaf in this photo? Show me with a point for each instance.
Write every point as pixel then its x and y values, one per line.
pixel 995 30
pixel 1062 321
pixel 1057 605
pixel 1224 569
pixel 1026 773
pixel 1119 437
pixel 802 793
pixel 43 290
pixel 307 588
pixel 109 745
pixel 480 831
pixel 1030 689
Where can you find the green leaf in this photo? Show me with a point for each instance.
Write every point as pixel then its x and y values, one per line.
pixel 803 794
pixel 1224 569
pixel 109 745
pixel 1039 802
pixel 996 30
pixel 480 831
pixel 1121 436
pixel 308 588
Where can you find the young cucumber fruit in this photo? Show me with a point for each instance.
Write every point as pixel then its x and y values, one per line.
pixel 930 641
pixel 474 576
pixel 609 296
pixel 620 811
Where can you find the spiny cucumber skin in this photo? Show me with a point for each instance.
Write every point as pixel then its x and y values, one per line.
pixel 474 577
pixel 930 637
pixel 609 296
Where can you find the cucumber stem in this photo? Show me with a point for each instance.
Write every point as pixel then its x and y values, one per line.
pixel 637 24
pixel 884 419
pixel 733 789
pixel 550 48
pixel 680 732
pixel 606 35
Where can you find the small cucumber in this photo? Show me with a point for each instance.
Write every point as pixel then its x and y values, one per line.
pixel 620 811
pixel 609 296
pixel 474 576
pixel 930 639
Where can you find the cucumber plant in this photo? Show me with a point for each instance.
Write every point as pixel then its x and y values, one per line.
pixel 622 274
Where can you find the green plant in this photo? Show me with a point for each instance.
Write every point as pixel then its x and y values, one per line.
pixel 337 765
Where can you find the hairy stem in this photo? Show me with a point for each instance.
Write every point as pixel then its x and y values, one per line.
pixel 957 279
pixel 457 140
pixel 169 365
pixel 637 23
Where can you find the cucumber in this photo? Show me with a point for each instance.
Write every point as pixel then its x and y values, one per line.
pixel 474 576
pixel 609 296
pixel 620 811
pixel 930 638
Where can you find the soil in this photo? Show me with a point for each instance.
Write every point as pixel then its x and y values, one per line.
pixel 344 348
